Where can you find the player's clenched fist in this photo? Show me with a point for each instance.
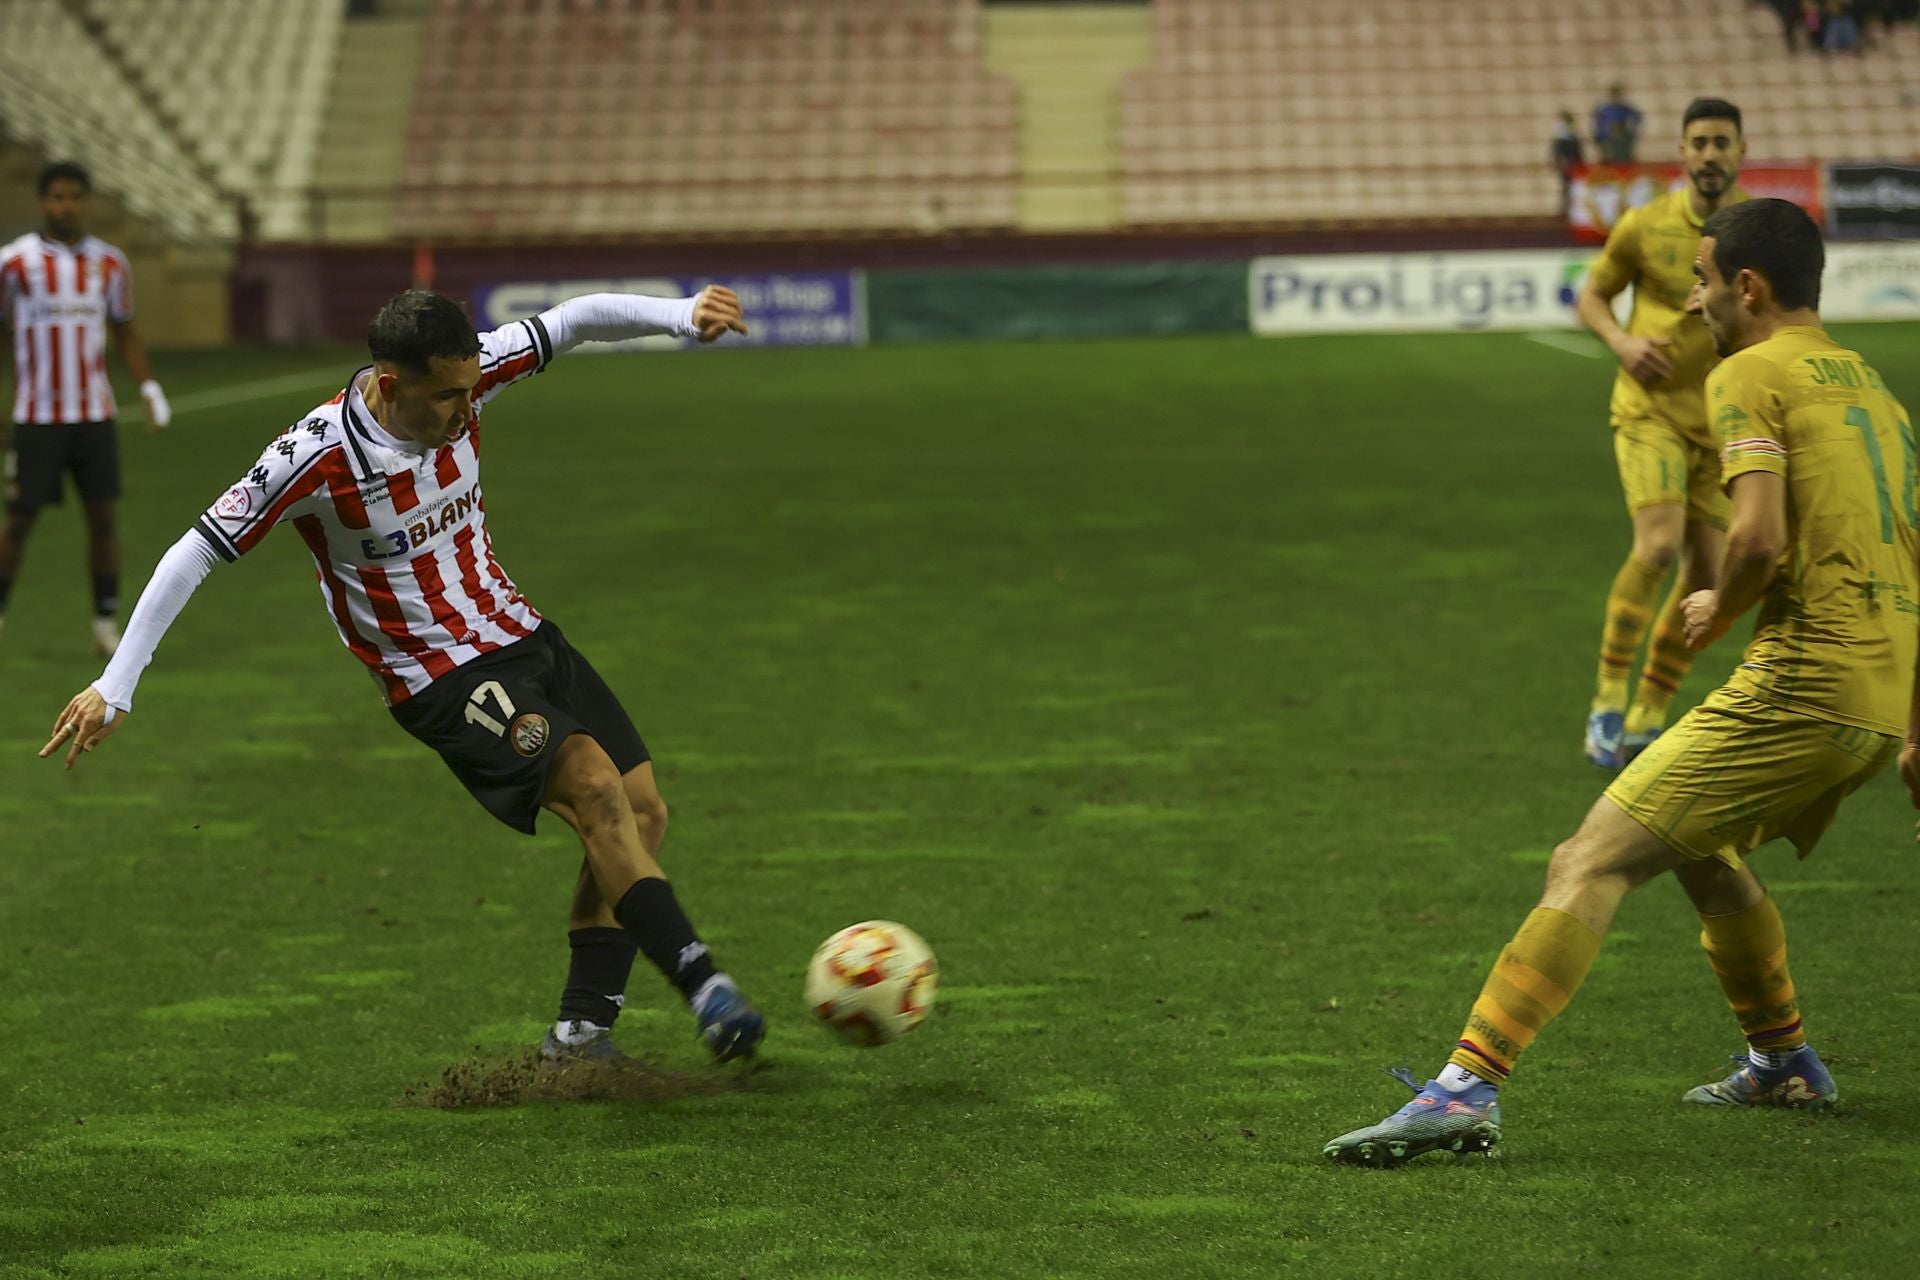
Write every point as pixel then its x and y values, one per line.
pixel 86 720
pixel 716 310
pixel 1698 611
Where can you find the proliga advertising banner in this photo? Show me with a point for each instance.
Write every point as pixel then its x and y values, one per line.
pixel 1523 289
pixel 1873 200
pixel 1601 193
pixel 1416 293
pixel 825 309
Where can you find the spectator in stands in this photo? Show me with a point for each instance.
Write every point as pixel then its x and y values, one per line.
pixel 1616 127
pixel 1812 22
pixel 1841 34
pixel 1569 153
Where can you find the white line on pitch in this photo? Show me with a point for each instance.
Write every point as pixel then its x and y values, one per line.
pixel 241 392
pixel 1576 344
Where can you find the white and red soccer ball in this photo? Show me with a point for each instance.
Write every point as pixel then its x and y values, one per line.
pixel 872 982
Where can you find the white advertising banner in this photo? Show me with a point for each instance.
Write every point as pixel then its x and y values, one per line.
pixel 1520 289
pixel 1416 292
pixel 1871 280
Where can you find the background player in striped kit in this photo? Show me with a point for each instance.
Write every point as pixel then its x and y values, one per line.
pixel 383 484
pixel 60 291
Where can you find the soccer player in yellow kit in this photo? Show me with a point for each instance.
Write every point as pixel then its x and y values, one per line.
pixel 1662 440
pixel 1818 459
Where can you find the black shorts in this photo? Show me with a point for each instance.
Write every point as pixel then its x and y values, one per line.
pixel 499 721
pixel 39 454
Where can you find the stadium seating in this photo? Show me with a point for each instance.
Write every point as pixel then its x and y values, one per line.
pixel 726 116
pixel 243 81
pixel 1396 110
pixel 61 92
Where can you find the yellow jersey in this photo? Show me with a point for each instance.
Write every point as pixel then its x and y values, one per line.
pixel 1652 248
pixel 1839 626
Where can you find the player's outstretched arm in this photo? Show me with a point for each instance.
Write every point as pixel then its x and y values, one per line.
pixel 97 710
pixel 613 317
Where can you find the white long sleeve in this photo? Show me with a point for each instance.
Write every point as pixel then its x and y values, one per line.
pixel 612 317
pixel 180 571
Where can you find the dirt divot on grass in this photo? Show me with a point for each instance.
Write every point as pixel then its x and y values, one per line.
pixel 527 1077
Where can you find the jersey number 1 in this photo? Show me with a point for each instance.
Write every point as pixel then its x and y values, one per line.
pixel 1862 421
pixel 477 712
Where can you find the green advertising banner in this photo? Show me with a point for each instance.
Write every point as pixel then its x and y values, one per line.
pixel 1057 301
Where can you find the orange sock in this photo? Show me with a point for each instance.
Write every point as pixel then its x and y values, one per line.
pixel 1748 951
pixel 1629 610
pixel 1668 661
pixel 1532 981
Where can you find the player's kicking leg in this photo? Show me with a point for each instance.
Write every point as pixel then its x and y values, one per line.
pixel 591 796
pixel 1533 980
pixel 602 952
pixel 1746 943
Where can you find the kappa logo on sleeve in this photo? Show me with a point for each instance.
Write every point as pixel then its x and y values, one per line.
pixel 234 504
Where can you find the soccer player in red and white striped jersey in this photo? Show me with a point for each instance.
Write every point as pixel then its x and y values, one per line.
pixel 61 292
pixel 382 483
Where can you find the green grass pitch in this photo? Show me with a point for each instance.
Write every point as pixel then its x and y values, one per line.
pixel 1209 705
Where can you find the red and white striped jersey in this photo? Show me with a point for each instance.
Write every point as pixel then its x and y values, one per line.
pixel 58 298
pixel 399 537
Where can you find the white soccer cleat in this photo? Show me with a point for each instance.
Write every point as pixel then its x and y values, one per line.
pixel 106 637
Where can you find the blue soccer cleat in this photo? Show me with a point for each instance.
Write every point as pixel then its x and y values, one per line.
pixel 1632 744
pixel 731 1027
pixel 1437 1119
pixel 1605 733
pixel 1804 1083
pixel 596 1050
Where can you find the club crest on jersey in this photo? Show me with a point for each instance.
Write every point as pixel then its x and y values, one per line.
pixel 529 734
pixel 234 504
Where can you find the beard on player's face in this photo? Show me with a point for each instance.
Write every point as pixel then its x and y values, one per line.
pixel 1710 179
pixel 1722 316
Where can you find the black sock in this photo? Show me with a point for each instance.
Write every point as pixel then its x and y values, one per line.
pixel 106 594
pixel 597 976
pixel 6 586
pixel 651 915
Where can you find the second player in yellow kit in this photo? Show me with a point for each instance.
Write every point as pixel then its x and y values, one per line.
pixel 1818 461
pixel 1663 443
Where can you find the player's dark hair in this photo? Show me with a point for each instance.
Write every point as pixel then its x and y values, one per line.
pixel 1711 109
pixel 64 171
pixel 418 325
pixel 1774 238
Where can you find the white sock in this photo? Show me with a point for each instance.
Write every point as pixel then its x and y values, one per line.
pixel 574 1031
pixel 1773 1060
pixel 711 985
pixel 1455 1078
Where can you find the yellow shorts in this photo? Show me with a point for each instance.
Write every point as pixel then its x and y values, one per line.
pixel 1658 464
pixel 1736 772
